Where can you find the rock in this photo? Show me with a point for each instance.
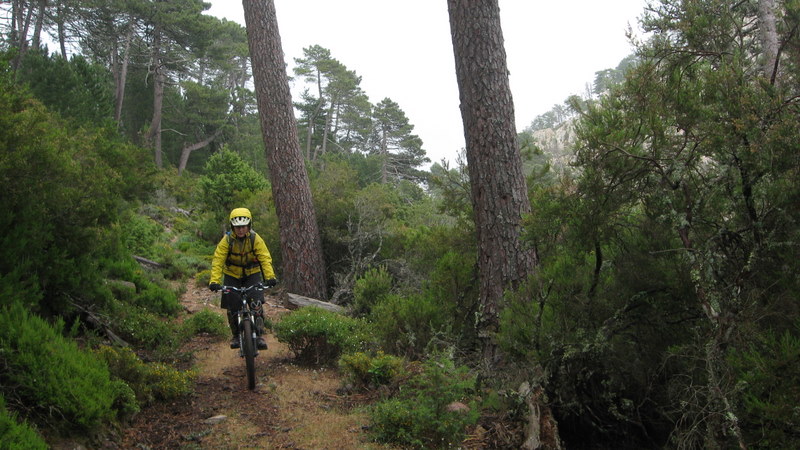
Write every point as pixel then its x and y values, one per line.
pixel 458 407
pixel 216 419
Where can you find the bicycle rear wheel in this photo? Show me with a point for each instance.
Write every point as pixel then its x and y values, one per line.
pixel 249 351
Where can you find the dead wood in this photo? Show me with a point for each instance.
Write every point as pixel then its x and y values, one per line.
pixel 295 301
pixel 148 263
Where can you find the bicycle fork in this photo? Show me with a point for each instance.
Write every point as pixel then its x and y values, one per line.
pixel 253 334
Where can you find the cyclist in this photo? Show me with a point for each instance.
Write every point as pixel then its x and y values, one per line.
pixel 241 259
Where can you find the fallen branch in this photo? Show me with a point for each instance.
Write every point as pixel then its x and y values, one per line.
pixel 147 263
pixel 295 301
pixel 98 323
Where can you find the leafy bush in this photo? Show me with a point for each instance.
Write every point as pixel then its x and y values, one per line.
pixel 320 336
pixel 419 416
pixel 226 173
pixel 179 265
pixel 76 88
pixel 140 233
pixel 203 277
pixel 149 381
pixel 52 373
pixel 771 376
pixel 406 325
pixel 157 300
pixel 15 434
pixel 75 178
pixel 369 371
pixel 141 327
pixel 372 287
pixel 205 321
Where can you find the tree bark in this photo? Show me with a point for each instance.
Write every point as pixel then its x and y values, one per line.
pixel 301 246
pixel 37 30
pixel 187 150
pixel 499 193
pixel 769 38
pixel 62 33
pixel 154 133
pixel 121 75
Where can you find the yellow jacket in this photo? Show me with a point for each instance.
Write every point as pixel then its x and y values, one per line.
pixel 240 258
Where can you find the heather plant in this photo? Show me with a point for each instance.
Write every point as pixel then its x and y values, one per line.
pixel 371 288
pixel 204 321
pixel 405 325
pixel 53 375
pixel 16 434
pixel 368 371
pixel 320 336
pixel 141 327
pixel 422 415
pixel 770 374
pixel 149 381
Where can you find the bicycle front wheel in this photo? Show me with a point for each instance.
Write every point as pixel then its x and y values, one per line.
pixel 249 351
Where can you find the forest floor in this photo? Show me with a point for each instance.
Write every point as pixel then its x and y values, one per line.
pixel 292 406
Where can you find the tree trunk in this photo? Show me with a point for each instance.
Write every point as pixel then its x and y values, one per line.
pixel 499 193
pixel 20 24
pixel 187 150
pixel 312 120
pixel 154 133
pixel 327 129
pixel 769 38
pixel 62 33
pixel 384 157
pixel 301 246
pixel 37 29
pixel 121 76
pixel 23 36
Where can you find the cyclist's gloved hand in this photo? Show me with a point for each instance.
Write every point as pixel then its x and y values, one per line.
pixel 215 287
pixel 271 282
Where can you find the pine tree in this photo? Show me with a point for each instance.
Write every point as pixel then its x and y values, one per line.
pixel 301 247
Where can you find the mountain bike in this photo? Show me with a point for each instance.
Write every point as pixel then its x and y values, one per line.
pixel 250 322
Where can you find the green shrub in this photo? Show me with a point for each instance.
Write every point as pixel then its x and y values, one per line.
pixel 66 385
pixel 226 172
pixel 203 277
pixel 372 287
pixel 419 416
pixel 157 299
pixel 406 325
pixel 74 179
pixel 140 233
pixel 522 322
pixel 205 321
pixel 140 327
pixel 15 434
pixel 179 265
pixel 770 374
pixel 149 381
pixel 191 244
pixel 368 371
pixel 122 290
pixel 320 336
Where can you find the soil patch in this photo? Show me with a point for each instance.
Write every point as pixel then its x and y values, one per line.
pixel 292 407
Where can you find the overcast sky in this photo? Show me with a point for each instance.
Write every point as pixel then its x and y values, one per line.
pixel 402 50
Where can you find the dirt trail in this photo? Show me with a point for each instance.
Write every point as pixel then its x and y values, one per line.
pixel 292 407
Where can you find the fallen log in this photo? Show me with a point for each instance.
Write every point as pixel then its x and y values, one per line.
pixel 99 324
pixel 147 263
pixel 295 301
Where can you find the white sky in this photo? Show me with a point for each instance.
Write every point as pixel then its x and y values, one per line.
pixel 402 50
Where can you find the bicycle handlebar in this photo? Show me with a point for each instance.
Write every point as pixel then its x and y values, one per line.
pixel 243 290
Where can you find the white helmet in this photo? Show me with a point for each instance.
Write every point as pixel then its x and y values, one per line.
pixel 240 217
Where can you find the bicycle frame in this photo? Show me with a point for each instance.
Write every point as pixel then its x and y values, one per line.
pixel 249 323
